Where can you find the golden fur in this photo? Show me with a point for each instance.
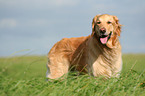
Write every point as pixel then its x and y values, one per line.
pixel 88 54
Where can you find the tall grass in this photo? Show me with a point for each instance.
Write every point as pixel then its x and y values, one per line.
pixel 25 75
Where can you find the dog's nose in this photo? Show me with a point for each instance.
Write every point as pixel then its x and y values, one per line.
pixel 102 30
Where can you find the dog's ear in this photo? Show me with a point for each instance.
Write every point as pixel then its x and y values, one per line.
pixel 93 24
pixel 117 25
pixel 112 41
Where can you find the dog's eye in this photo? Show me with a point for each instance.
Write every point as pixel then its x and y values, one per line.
pixel 109 22
pixel 98 22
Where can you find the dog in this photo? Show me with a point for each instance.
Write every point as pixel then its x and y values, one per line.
pixel 98 54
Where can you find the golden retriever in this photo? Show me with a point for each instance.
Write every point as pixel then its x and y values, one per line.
pixel 98 54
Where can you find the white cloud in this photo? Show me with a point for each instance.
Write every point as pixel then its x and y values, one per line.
pixel 36 22
pixel 8 23
pixel 38 3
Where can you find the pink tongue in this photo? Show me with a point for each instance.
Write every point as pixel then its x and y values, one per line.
pixel 104 40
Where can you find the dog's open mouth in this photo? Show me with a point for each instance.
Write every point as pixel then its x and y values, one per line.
pixel 105 38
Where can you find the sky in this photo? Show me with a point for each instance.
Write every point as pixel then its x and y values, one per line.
pixel 30 27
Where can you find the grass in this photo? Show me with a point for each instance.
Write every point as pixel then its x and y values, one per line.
pixel 25 75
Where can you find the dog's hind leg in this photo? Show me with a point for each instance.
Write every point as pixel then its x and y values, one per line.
pixel 57 66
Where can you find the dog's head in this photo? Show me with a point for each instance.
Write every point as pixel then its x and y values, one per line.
pixel 106 29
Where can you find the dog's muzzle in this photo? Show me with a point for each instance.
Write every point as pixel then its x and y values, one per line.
pixel 104 38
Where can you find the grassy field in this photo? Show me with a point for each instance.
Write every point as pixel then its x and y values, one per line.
pixel 25 75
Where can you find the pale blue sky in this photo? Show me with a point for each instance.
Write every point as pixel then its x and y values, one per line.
pixel 34 26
